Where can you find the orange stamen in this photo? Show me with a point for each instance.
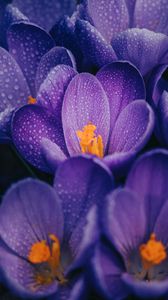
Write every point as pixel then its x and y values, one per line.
pixel 54 260
pixel 39 253
pixel 89 142
pixel 31 100
pixel 153 252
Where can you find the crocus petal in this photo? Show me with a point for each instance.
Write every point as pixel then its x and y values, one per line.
pixel 11 15
pixel 153 17
pixel 79 291
pixel 3 5
pixel 52 154
pixel 64 35
pixel 14 91
pixel 22 282
pixel 124 221
pixel 160 227
pixel 156 85
pixel 148 178
pixel 120 162
pixel 13 86
pixel 133 128
pixel 84 101
pixel 107 268
pixel 28 43
pixel 144 48
pixel 30 124
pixel 5 124
pixel 122 83
pixel 81 182
pixel 162 119
pixel 75 290
pixel 81 12
pixel 131 6
pixel 82 248
pixel 30 211
pixel 94 47
pixel 109 17
pixel 56 56
pixel 144 289
pixel 45 13
pixel 52 90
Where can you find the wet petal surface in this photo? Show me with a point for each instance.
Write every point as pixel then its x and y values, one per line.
pixel 27 44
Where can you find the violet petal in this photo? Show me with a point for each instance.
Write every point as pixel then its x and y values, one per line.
pixel 154 17
pixel 107 268
pixel 64 35
pixel 28 43
pixel 30 124
pixel 133 128
pixel 52 90
pixel 11 15
pixel 156 85
pixel 94 47
pixel 124 221
pixel 52 154
pixel 13 86
pixel 148 178
pixel 81 182
pixel 143 289
pixel 122 83
pixel 56 56
pixel 109 17
pixel 145 49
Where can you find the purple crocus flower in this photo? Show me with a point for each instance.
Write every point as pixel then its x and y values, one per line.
pixel 100 115
pixel 135 31
pixel 133 259
pixel 45 13
pixel 42 228
pixel 30 58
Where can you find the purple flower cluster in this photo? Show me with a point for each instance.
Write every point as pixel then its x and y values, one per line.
pixel 84 109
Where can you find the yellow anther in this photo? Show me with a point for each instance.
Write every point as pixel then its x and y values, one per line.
pixel 152 253
pixel 89 142
pixel 31 100
pixel 39 253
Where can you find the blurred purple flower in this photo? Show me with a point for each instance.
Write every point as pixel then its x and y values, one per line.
pixel 45 13
pixel 134 261
pixel 135 31
pixel 8 16
pixel 47 134
pixel 42 228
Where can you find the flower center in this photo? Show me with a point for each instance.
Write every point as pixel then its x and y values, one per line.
pixel 152 253
pixel 47 260
pixel 89 142
pixel 31 100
